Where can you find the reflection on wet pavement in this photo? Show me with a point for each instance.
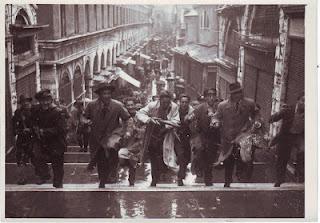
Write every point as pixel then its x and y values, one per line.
pixel 155 204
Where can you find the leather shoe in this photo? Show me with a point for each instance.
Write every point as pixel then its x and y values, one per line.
pixel 208 184
pixel 153 184
pixel 227 184
pixel 180 182
pixel 102 185
pixel 277 184
pixel 22 182
pixel 58 185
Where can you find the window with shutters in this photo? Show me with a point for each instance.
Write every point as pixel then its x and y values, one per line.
pixel 22 44
pixel 296 73
pixel 77 83
pixel 204 20
pixel 232 42
pixel 266 21
pixel 65 89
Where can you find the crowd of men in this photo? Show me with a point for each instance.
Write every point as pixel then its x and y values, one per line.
pixel 168 132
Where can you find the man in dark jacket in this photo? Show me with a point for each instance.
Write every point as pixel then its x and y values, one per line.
pixel 22 129
pixel 105 115
pixel 210 137
pixel 291 135
pixel 49 125
pixel 182 147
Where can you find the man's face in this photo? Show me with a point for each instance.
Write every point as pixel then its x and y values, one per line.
pixel 211 97
pixel 105 95
pixel 45 103
pixel 165 102
pixel 130 107
pixel 237 96
pixel 27 105
pixel 184 103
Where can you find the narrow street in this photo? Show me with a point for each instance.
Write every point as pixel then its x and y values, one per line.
pixel 225 61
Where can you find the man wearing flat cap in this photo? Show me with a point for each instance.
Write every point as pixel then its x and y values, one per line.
pixel 159 137
pixel 234 116
pixel 49 125
pixel 22 130
pixel 108 119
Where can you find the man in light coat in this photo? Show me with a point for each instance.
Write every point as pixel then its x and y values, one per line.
pixel 235 115
pixel 159 137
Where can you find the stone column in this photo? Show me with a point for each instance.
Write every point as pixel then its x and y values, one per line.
pixel 12 77
pixel 281 70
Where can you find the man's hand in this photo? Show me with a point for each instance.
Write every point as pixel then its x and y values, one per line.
pixel 126 136
pixel 215 124
pixel 153 121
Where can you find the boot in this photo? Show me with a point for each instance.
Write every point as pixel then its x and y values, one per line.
pixel 180 182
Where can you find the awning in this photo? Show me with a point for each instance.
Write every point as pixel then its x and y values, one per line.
pixel 145 56
pixel 128 78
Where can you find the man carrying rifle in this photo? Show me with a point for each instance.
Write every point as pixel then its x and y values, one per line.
pixel 159 136
pixel 105 115
pixel 49 126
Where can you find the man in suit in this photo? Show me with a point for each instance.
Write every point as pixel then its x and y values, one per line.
pixel 234 116
pixel 106 116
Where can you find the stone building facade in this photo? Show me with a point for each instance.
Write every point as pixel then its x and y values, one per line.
pixel 262 47
pixel 21 58
pixel 194 57
pixel 84 41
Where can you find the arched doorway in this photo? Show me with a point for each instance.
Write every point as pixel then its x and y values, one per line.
pixel 109 62
pixel 117 50
pixel 103 62
pixel 25 84
pixel 77 83
pixel 65 89
pixel 95 65
pixel 113 56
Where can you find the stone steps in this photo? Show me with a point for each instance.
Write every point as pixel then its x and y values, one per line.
pixel 76 173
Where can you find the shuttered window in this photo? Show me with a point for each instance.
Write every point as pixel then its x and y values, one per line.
pixel 296 71
pixel 77 84
pixel 27 85
pixel 65 89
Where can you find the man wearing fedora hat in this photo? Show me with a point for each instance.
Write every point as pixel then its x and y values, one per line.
pixel 106 117
pixel 22 130
pixel 49 125
pixel 235 115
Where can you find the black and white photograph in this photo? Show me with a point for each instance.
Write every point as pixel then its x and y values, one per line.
pixel 157 111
